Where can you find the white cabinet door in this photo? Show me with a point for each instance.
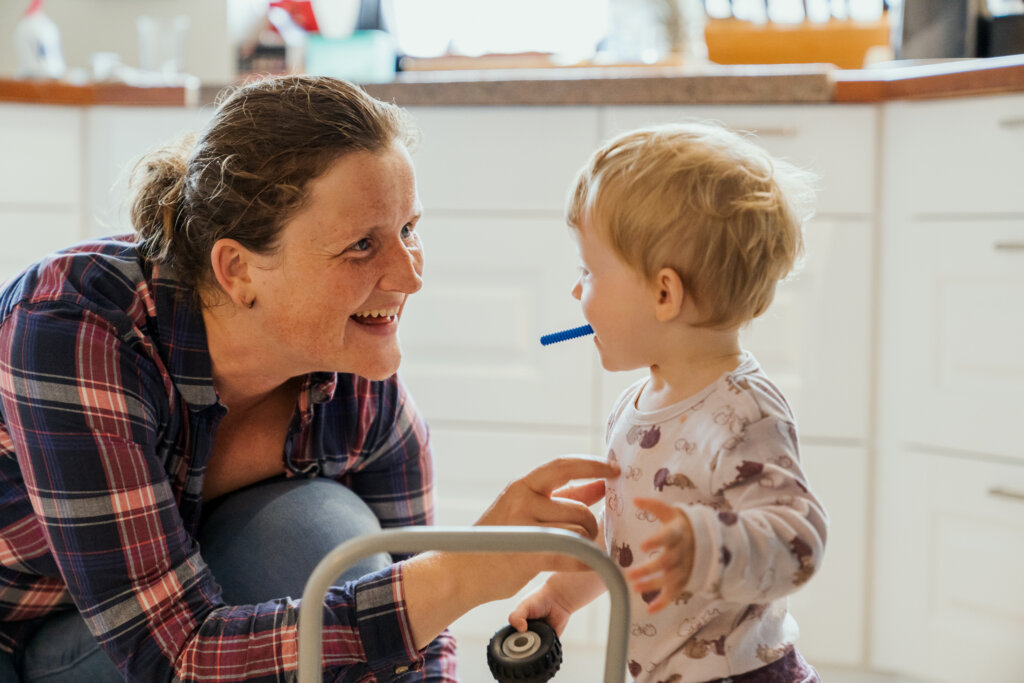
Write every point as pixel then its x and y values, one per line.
pixel 42 160
pixel 471 336
pixel 957 156
pixel 955 291
pixel 117 137
pixel 501 158
pixel 29 234
pixel 815 339
pixel 830 609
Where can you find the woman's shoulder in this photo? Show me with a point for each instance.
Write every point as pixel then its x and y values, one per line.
pixel 100 274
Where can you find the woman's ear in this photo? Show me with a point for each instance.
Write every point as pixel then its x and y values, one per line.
pixel 231 264
pixel 671 295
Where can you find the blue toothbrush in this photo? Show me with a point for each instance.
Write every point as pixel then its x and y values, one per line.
pixel 566 334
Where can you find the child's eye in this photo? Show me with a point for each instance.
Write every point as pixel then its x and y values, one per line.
pixel 584 272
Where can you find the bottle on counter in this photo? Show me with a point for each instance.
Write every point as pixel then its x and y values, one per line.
pixel 37 43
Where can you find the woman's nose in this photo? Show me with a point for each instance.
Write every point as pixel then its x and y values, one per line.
pixel 404 272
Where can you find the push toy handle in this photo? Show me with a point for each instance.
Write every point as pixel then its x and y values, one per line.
pixel 501 539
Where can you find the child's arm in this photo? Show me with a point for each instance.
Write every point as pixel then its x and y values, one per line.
pixel 764 544
pixel 561 595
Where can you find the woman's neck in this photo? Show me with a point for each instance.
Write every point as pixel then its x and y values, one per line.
pixel 244 373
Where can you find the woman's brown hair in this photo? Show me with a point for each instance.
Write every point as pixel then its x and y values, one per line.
pixel 247 174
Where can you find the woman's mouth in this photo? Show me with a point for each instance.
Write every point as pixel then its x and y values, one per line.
pixel 376 316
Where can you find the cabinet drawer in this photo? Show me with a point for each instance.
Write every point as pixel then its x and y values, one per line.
pixel 836 141
pixel 501 158
pixel 956 156
pixel 955 319
pixel 42 155
pixel 974 566
pixel 471 337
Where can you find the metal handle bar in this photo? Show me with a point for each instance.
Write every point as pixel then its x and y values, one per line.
pixel 503 539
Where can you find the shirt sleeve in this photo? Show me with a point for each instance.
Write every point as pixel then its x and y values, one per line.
pixel 83 401
pixel 770 537
pixel 394 478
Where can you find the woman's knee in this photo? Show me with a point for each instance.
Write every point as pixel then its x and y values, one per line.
pixel 262 542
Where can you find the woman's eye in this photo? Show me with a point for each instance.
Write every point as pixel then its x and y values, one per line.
pixel 407 231
pixel 361 245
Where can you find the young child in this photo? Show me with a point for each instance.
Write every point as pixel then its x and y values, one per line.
pixel 684 231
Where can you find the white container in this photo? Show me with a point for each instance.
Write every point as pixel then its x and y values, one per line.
pixel 37 44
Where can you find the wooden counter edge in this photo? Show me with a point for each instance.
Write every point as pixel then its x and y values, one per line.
pixel 60 93
pixel 930 81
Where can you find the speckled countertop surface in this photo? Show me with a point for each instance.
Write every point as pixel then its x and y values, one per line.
pixel 710 84
pixel 613 85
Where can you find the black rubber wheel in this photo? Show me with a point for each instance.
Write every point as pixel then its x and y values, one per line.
pixel 529 657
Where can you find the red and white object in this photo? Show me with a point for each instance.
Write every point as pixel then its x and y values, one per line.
pixel 37 43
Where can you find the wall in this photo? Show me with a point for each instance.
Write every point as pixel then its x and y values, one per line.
pixel 89 26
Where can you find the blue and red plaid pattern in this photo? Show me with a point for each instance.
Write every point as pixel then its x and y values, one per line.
pixel 107 416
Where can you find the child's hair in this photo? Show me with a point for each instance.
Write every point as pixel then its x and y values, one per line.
pixel 708 203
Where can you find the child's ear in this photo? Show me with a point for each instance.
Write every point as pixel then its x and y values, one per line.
pixel 670 293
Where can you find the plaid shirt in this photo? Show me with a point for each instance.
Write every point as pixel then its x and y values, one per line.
pixel 107 411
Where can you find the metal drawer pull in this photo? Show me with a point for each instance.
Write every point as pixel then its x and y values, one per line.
pixel 1009 246
pixel 1017 122
pixel 1000 492
pixel 776 132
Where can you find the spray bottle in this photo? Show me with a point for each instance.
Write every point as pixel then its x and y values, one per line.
pixel 37 42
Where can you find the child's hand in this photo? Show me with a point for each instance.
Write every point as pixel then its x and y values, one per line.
pixel 669 571
pixel 541 604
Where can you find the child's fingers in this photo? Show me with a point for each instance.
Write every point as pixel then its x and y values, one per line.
pixel 663 512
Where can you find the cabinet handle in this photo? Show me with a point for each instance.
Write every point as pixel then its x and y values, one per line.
pixel 1000 492
pixel 776 132
pixel 1009 246
pixel 1016 122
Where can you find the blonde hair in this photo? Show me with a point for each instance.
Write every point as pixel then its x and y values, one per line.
pixel 708 203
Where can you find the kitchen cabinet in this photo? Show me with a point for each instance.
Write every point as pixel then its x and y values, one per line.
pixel 950 464
pixel 40 182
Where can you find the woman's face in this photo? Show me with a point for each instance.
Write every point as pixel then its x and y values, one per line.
pixel 331 297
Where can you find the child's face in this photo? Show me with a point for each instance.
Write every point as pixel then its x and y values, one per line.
pixel 617 302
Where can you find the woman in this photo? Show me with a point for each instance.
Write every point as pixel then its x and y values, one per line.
pixel 191 417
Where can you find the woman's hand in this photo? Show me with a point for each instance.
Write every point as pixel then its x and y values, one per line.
pixel 442 586
pixel 542 499
pixel 669 571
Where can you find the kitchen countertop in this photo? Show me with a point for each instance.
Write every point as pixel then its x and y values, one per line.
pixel 706 84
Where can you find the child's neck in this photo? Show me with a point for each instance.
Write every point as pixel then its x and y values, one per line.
pixel 692 366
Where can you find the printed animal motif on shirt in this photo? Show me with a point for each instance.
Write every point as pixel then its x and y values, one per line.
pixel 805 556
pixel 698 648
pixel 633 473
pixel 674 678
pixel 644 630
pixel 748 469
pixel 651 437
pixel 770 654
pixel 727 417
pixel 622 554
pixel 614 502
pixel 663 478
pixel 684 446
pixel 649 596
pixel 634 668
